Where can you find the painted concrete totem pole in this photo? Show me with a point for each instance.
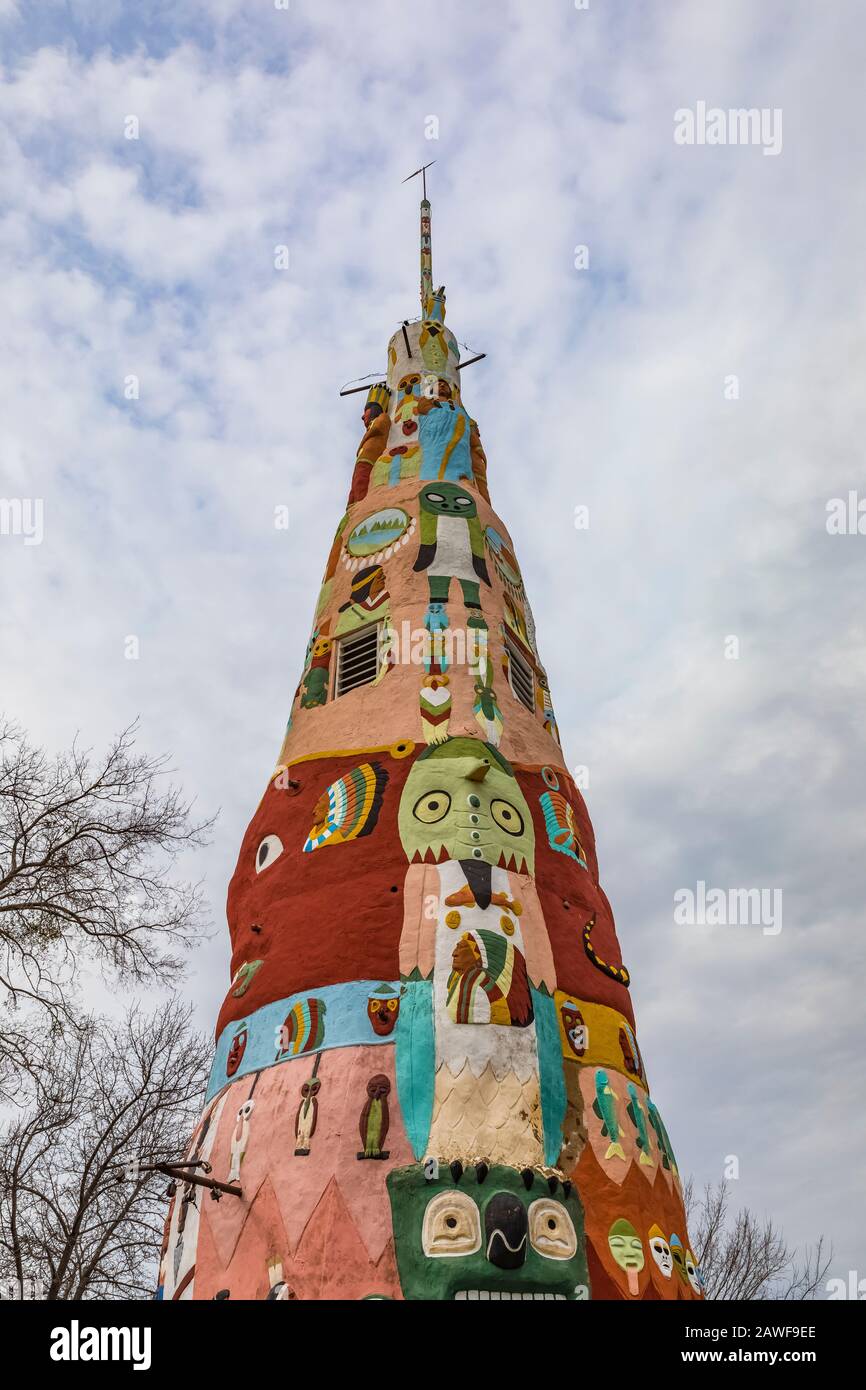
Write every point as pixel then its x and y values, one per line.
pixel 427 1082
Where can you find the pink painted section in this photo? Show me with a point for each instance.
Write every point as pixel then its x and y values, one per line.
pixel 384 714
pixel 293 1206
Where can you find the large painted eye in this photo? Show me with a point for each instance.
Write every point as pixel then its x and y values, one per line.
pixel 270 849
pixel 463 501
pixel 551 1231
pixel 431 807
pixel 435 497
pixel 452 1225
pixel 507 817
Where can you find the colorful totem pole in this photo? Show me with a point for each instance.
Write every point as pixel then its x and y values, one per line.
pixel 427 1082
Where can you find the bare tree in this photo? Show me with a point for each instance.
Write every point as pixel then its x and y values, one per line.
pixel 742 1257
pixel 115 1092
pixel 87 849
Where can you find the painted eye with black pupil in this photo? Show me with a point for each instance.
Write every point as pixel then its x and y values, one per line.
pixel 507 817
pixel 432 807
pixel 268 851
pixel 551 1230
pixel 451 1226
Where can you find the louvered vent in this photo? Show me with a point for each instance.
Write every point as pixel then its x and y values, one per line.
pixel 522 679
pixel 357 659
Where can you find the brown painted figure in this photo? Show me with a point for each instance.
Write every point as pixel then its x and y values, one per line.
pixel 374 1118
pixel 308 1112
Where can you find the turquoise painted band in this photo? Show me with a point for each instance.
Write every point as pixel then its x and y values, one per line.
pixel 305 1023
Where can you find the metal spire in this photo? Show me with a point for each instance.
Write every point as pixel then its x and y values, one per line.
pixel 426 247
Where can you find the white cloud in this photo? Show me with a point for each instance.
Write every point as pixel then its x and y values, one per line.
pixel 155 257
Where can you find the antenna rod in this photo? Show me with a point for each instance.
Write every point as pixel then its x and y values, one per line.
pixel 426 246
pixel 178 1172
pixel 352 391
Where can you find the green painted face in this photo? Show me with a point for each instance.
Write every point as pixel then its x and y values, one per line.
pixel 462 801
pixel 678 1257
pixel 626 1245
pixel 474 1238
pixel 447 499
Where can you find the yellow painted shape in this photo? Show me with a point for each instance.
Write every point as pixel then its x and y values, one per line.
pixel 402 749
pixel 602 1028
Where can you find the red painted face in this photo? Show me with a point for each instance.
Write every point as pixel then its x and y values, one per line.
pixel 236 1051
pixel 575 1030
pixel 630 1060
pixel 383 1014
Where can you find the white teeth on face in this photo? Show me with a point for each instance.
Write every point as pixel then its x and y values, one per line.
pixel 496 1296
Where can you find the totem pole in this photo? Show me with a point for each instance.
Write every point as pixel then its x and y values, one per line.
pixel 427 1082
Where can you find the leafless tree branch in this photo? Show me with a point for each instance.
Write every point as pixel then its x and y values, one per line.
pixel 88 846
pixel 742 1257
pixel 110 1093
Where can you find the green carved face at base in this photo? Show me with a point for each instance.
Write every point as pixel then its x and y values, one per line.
pixel 486 1235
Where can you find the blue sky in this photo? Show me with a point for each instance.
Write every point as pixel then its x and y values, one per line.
pixel 602 387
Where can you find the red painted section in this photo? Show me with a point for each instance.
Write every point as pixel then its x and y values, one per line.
pixel 326 916
pixel 353 887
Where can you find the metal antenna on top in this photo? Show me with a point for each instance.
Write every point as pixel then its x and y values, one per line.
pixel 423 172
pixel 428 301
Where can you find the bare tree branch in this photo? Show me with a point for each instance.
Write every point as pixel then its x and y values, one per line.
pixel 746 1258
pixel 87 852
pixel 114 1092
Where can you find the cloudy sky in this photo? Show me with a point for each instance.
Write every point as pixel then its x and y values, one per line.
pixel 698 386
